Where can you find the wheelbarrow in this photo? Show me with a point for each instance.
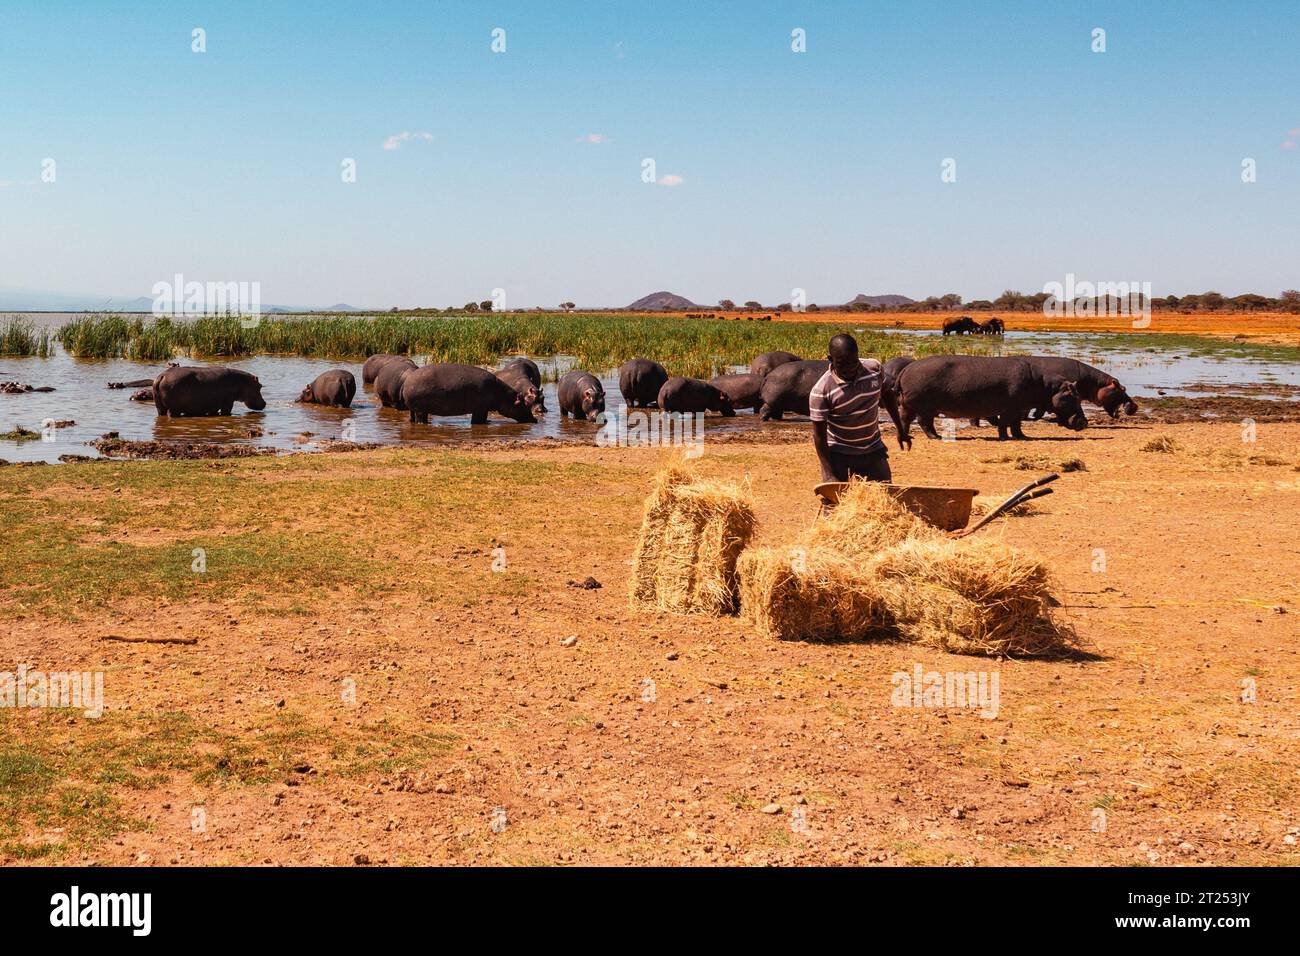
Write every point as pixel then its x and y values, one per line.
pixel 948 509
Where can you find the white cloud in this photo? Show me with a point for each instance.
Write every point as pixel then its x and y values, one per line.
pixel 405 136
pixel 672 179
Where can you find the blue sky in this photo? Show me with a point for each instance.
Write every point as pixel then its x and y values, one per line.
pixel 817 170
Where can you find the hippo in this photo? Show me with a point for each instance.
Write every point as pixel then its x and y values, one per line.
pixel 445 388
pixel 764 363
pixel 525 377
pixel 388 382
pixel 370 371
pixel 581 395
pixel 693 396
pixel 745 389
pixel 993 326
pixel 640 380
pixel 335 387
pixel 1093 384
pixel 961 326
pixel 786 388
pixel 143 395
pixel 134 383
pixel 1001 389
pixel 206 390
pixel 894 367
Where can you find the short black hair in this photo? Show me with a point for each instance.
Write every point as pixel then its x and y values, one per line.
pixel 844 344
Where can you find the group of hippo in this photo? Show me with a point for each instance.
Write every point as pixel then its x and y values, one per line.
pixel 968 326
pixel 1005 390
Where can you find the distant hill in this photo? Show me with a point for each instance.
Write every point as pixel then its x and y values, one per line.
pixel 663 300
pixel 342 307
pixel 878 300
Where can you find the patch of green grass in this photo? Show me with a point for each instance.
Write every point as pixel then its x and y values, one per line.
pixel 63 777
pixel 18 338
pixel 19 434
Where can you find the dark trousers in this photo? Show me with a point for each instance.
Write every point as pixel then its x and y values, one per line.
pixel 873 466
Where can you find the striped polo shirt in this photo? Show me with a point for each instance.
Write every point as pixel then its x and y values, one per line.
pixel 851 410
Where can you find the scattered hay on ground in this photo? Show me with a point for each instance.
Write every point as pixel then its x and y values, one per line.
pixel 691 536
pixel 1163 444
pixel 983 504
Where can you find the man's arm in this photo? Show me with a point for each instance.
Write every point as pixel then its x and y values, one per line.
pixel 823 450
pixel 889 399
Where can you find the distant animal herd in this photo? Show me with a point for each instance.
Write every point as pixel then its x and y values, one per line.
pixel 1004 390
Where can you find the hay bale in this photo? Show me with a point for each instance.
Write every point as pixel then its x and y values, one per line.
pixel 970 597
pixel 874 570
pixel 691 535
pixel 866 521
pixel 814 594
pixel 983 504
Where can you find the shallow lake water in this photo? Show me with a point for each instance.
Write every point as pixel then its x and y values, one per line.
pixel 82 396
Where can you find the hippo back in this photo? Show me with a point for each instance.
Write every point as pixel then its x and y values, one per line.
pixel 388 383
pixel 787 387
pixel 370 371
pixel 763 364
pixel 640 379
pixel 744 389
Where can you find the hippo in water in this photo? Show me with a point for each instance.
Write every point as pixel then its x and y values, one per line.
pixel 445 388
pixel 1002 389
pixel 335 387
pixel 370 371
pixel 963 326
pixel 787 387
pixel 640 380
pixel 694 396
pixel 744 389
pixel 143 395
pixel 525 377
pixel 581 395
pixel 207 390
pixel 388 383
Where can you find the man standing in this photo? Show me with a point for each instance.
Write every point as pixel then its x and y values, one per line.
pixel 845 410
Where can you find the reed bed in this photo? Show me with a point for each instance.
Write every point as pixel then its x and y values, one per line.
pixel 19 338
pixel 694 347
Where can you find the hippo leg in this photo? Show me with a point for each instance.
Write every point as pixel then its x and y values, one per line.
pixel 1014 425
pixel 728 413
pixel 226 409
pixel 478 418
pixel 1039 413
pixel 927 426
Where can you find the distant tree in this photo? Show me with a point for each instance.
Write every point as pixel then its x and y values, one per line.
pixel 1009 299
pixel 980 305
pixel 1290 300
pixel 486 305
pixel 1169 302
pixel 1212 301
pixel 471 307
pixel 751 304
pixel 726 304
pixel 567 306
pixel 812 307
pixel 783 307
pixel 859 306
pixel 950 300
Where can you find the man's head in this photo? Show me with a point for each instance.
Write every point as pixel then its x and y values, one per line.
pixel 843 356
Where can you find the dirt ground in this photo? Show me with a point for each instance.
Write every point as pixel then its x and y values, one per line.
pixel 386 673
pixel 1282 328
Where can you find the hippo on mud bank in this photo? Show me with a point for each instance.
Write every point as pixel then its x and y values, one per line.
pixel 640 380
pixel 1001 389
pixel 744 389
pixel 691 395
pixel 207 390
pixel 388 381
pixel 993 326
pixel 763 364
pixel 449 389
pixel 375 364
pixel 786 388
pixel 1092 383
pixel 581 395
pixel 524 377
pixel 963 326
pixel 335 387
